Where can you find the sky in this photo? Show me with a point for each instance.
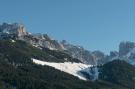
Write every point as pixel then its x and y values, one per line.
pixel 93 24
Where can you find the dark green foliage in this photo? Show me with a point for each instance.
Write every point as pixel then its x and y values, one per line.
pixel 33 76
pixel 119 72
pixel 17 70
pixel 60 55
pixel 10 51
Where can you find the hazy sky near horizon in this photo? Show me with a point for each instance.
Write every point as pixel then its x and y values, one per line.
pixel 93 24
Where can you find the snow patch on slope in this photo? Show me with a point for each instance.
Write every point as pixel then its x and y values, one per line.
pixel 13 41
pixel 68 67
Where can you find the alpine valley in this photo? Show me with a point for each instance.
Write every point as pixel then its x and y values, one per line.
pixel 36 61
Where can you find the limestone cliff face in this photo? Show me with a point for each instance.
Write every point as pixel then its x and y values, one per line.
pixel 15 28
pixel 21 31
pixel 126 47
pixel 82 54
pixel 18 31
pixel 43 40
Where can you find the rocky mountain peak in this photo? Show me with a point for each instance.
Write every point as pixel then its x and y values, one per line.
pixel 42 36
pixel 125 47
pixel 14 28
pixel 18 31
pixel 98 54
pixel 8 30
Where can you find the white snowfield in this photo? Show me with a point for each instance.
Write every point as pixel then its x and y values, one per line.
pixel 68 67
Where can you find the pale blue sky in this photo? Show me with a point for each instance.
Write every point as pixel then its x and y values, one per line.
pixel 94 24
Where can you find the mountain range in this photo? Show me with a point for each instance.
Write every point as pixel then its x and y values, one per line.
pixel 36 61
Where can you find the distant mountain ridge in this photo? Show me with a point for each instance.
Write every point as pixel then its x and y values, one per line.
pixel 19 32
pixel 36 61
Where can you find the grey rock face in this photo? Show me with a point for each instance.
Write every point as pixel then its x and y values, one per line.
pixel 114 54
pixel 43 40
pixel 125 48
pixel 82 54
pixel 14 28
pixel 19 32
pixel 98 55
